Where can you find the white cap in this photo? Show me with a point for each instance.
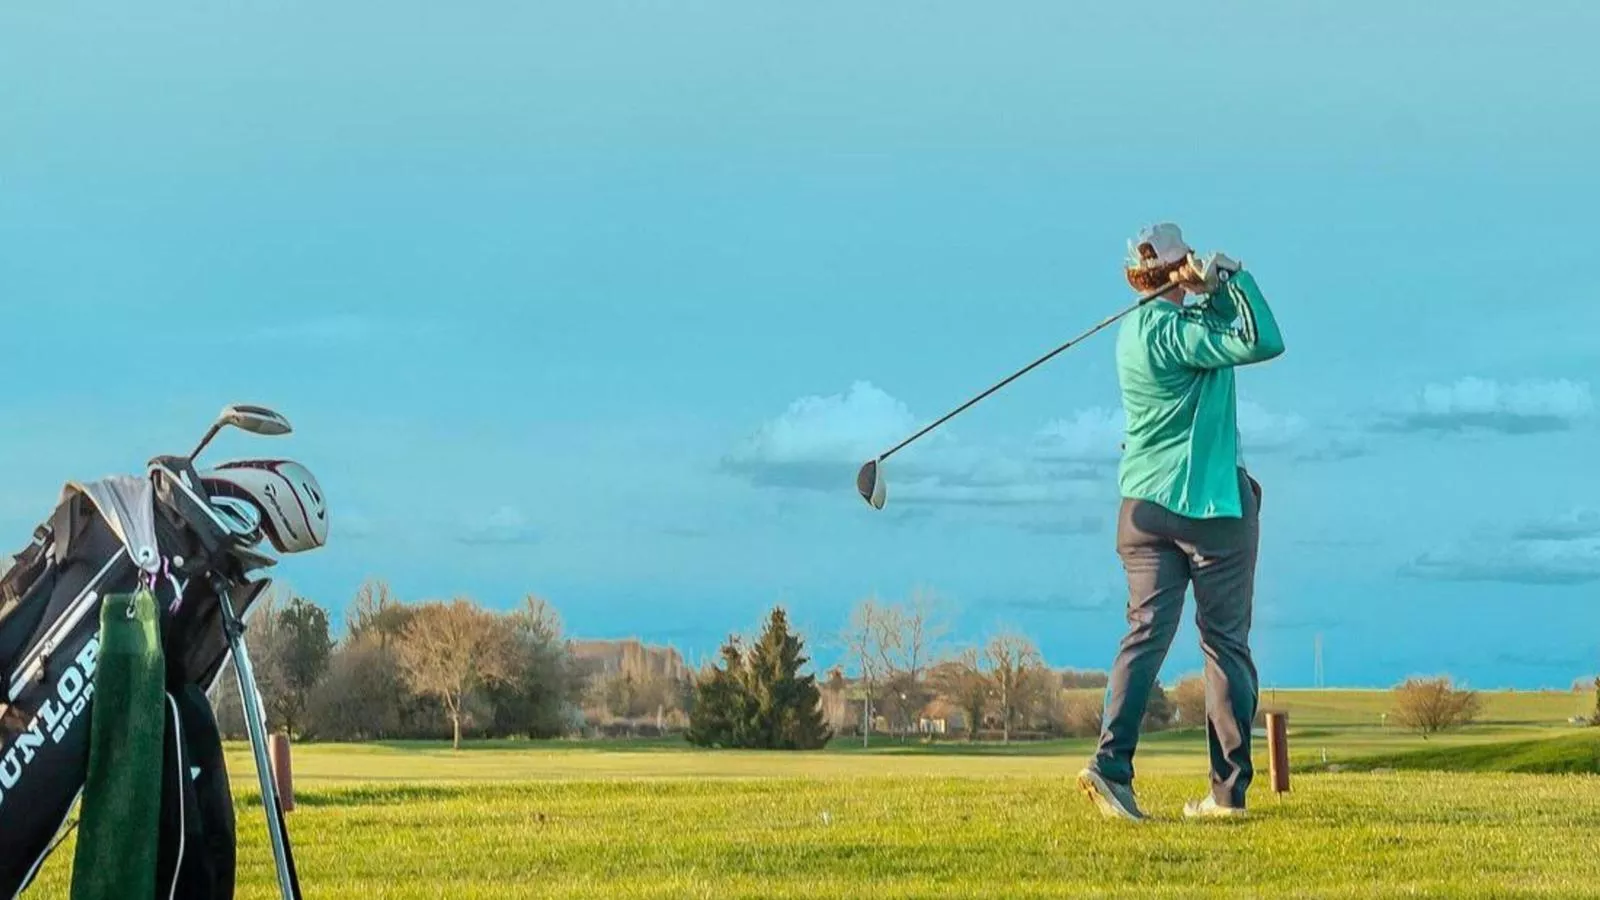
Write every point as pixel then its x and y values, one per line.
pixel 1157 245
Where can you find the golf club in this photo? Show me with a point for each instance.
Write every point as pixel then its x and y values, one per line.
pixel 870 481
pixel 254 419
pixel 255 726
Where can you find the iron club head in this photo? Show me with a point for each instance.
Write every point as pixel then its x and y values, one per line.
pixel 870 483
pixel 255 419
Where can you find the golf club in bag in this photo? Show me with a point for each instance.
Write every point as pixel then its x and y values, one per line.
pixel 192 538
pixel 870 482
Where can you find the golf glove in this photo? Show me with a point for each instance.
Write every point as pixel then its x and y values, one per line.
pixel 1214 270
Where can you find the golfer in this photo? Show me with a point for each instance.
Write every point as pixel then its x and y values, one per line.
pixel 1189 509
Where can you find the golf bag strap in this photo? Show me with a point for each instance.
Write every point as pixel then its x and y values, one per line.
pixel 24 565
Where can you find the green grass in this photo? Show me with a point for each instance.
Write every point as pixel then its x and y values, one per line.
pixel 659 819
pixel 1339 836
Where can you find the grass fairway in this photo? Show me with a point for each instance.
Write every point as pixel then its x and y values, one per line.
pixel 660 820
pixel 1351 836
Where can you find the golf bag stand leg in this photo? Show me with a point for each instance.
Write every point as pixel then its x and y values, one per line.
pixel 255 725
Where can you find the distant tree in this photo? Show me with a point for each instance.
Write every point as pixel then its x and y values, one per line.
pixel 907 636
pixel 759 698
pixel 289 648
pixel 362 696
pixel 262 641
pixel 1430 705
pixel 543 682
pixel 375 611
pixel 300 653
pixel 787 706
pixel 1020 682
pixel 1082 713
pixel 1595 719
pixel 621 696
pixel 723 710
pixel 1074 678
pixel 836 711
pixel 449 650
pixel 1159 711
pixel 862 638
pixel 1189 698
pixel 964 684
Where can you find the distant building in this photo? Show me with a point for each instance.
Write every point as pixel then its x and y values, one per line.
pixel 634 689
pixel 630 656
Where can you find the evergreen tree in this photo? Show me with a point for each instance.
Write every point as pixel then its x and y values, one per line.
pixel 720 714
pixel 787 706
pixel 1158 714
pixel 758 699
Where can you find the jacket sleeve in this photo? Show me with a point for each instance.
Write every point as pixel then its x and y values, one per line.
pixel 1235 328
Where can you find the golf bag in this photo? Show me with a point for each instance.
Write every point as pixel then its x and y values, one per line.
pixel 113 537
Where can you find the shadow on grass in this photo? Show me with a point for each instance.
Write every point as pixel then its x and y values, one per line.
pixel 1571 754
pixel 559 745
pixel 386 795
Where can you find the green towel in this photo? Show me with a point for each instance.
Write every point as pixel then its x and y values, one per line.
pixel 119 820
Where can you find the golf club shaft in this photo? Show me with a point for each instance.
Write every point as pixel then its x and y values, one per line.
pixel 210 433
pixel 256 729
pixel 1023 371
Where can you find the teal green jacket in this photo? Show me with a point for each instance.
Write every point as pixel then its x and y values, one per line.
pixel 1175 365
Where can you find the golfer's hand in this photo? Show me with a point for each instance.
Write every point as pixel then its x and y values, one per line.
pixel 1205 276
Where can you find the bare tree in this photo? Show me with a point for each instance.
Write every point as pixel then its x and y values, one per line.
pixel 1019 679
pixel 964 684
pixel 1189 697
pixel 448 650
pixel 907 636
pixel 376 611
pixel 861 639
pixel 1082 712
pixel 836 702
pixel 1431 705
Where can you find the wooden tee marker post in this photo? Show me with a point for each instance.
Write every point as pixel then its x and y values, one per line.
pixel 278 754
pixel 1278 749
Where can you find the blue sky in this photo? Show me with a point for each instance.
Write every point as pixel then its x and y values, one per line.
pixel 606 301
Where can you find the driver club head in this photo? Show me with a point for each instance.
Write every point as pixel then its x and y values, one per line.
pixel 255 419
pixel 870 483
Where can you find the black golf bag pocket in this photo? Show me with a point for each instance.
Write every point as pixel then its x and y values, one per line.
pixel 47 688
pixel 49 648
pixel 198 840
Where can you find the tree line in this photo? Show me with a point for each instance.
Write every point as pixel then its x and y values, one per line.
pixel 441 669
pixel 453 669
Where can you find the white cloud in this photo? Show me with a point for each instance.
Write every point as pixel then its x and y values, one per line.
pixel 506 525
pixel 1091 436
pixel 818 437
pixel 1094 436
pixel 1561 550
pixel 1523 407
pixel 819 441
pixel 1516 562
pixel 1262 430
pixel 1575 525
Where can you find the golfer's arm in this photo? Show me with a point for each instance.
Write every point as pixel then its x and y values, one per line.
pixel 1205 341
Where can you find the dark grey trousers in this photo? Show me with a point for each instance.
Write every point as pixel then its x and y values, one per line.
pixel 1163 553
